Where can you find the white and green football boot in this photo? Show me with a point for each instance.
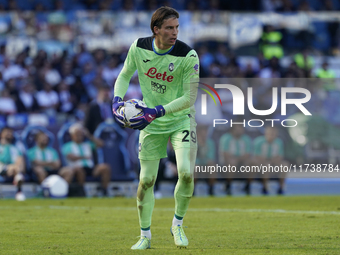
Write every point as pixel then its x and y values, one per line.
pixel 179 236
pixel 142 244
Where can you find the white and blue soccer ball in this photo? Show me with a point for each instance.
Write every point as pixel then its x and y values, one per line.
pixel 54 186
pixel 129 110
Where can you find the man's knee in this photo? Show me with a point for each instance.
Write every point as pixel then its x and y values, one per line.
pixel 186 177
pixel 147 182
pixel 78 170
pixel 39 171
pixel 105 168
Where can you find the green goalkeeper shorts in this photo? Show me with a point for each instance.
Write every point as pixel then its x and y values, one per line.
pixel 154 146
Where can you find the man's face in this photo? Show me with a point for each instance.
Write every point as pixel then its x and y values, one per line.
pixel 78 135
pixel 237 130
pixel 167 34
pixel 42 140
pixel 270 134
pixel 104 95
pixel 7 134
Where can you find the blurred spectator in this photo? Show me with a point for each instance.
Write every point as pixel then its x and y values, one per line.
pixel 79 155
pixel 12 5
pixel 45 160
pixel 7 103
pixel 304 6
pixel 48 99
pixel 268 150
pixel 286 6
pixel 99 56
pixel 304 60
pixel 249 72
pixel 327 75
pixel 293 71
pixel 83 56
pixel 12 71
pixel 271 5
pixel 50 74
pixel 221 55
pixel 40 59
pixel 66 99
pixel 67 73
pixel 205 157
pixel 111 70
pixel 206 58
pixel 89 74
pixel 272 71
pixel 26 100
pixel 79 91
pixel 12 163
pixel 271 43
pixel 2 53
pixel 99 109
pixel 235 150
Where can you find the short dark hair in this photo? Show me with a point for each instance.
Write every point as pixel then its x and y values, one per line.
pixel 162 14
pixel 38 134
pixel 5 128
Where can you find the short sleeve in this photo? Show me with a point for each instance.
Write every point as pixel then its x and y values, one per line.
pixel 65 150
pixel 30 154
pixel 55 155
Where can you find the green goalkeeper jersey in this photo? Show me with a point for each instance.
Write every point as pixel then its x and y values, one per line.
pixel 167 77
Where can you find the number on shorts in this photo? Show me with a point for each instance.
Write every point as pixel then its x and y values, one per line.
pixel 186 132
pixel 193 136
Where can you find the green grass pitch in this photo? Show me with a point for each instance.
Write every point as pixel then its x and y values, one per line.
pixel 225 225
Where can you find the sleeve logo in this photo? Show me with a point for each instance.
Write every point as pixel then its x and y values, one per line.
pixel 196 67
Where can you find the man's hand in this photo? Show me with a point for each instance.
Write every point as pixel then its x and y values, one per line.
pixel 116 103
pixel 149 114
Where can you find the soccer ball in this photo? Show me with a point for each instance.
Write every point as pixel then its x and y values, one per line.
pixel 130 111
pixel 54 186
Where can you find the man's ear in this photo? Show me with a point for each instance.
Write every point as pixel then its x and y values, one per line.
pixel 156 29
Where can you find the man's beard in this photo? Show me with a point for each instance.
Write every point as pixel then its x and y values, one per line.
pixel 9 139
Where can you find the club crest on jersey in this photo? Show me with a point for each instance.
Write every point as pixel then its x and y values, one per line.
pixel 171 67
pixel 196 67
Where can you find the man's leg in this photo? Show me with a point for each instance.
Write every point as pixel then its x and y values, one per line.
pixel 146 201
pixel 16 172
pixel 67 173
pixel 80 174
pixel 145 195
pixel 104 171
pixel 185 158
pixel 40 173
pixel 152 147
pixel 185 146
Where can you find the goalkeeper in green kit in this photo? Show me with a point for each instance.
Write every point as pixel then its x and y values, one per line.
pixel 168 72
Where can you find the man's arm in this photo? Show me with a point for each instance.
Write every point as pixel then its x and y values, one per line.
pixel 51 164
pixel 73 157
pixel 97 142
pixel 190 85
pixel 20 163
pixel 124 77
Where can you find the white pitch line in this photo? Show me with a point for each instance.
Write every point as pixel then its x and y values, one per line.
pixel 57 207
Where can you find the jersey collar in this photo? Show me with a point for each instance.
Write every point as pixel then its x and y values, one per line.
pixel 160 54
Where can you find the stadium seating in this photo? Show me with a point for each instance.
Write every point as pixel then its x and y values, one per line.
pixel 116 156
pixel 28 141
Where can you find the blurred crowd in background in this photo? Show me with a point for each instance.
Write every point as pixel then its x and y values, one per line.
pixel 58 59
pixel 192 5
